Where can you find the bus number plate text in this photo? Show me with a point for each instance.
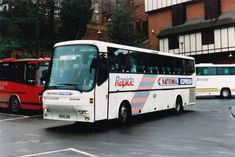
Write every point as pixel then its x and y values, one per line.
pixel 64 116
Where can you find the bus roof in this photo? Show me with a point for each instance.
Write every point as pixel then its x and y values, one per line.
pixel 25 60
pixel 103 47
pixel 214 65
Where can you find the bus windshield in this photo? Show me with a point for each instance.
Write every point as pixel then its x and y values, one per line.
pixel 42 73
pixel 73 68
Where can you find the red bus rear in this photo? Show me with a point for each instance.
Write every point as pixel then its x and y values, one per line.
pixel 21 82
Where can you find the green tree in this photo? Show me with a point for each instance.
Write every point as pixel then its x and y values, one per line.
pixel 30 25
pixel 120 28
pixel 75 15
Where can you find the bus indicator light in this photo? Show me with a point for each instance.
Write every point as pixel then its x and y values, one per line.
pixel 91 100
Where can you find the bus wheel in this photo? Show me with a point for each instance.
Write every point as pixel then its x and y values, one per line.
pixel 179 105
pixel 124 115
pixel 14 105
pixel 225 93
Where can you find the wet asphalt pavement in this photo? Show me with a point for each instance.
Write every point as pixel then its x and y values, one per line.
pixel 206 129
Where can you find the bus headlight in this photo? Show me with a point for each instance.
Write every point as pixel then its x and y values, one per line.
pixel 45 110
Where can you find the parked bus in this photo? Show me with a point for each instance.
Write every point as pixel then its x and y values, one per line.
pixel 21 82
pixel 109 81
pixel 215 80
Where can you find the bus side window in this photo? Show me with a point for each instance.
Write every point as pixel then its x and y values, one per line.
pixel 102 70
pixel 163 70
pixel 177 71
pixel 168 71
pixel 189 67
pixel 150 69
pixel 44 77
pixel 30 74
pixel 133 65
pixel 232 70
pixel 118 60
pixel 156 69
pixel 226 71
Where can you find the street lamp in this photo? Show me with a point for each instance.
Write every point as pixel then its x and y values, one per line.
pixel 109 25
pixel 99 33
pixel 109 20
pixel 230 55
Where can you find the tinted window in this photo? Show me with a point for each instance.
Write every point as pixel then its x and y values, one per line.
pixel 137 62
pixel 226 70
pixel 102 69
pixel 206 71
pixel 188 66
pixel 13 71
pixel 30 74
pixel 119 60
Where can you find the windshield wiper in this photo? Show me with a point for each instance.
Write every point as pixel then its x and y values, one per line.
pixel 69 84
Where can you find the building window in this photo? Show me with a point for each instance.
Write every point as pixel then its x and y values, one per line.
pixel 178 14
pixel 145 26
pixel 212 9
pixel 173 42
pixel 208 37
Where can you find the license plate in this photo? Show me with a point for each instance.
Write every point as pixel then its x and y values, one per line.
pixel 64 116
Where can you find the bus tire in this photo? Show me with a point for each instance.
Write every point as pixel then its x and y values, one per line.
pixel 179 108
pixel 14 105
pixel 124 113
pixel 225 93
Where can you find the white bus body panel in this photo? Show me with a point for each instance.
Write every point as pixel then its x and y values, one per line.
pixel 101 102
pixel 69 105
pixel 212 85
pixel 148 93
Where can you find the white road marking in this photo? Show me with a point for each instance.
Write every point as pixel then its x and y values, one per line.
pixel 32 135
pixel 35 116
pixel 18 117
pixel 62 150
pixel 83 153
pixel 8 114
pixel 12 119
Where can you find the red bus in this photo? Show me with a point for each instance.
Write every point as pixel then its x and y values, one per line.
pixel 21 83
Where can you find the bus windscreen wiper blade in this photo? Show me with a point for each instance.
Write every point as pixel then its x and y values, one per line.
pixel 70 84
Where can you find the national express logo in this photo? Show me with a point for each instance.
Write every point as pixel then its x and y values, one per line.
pixel 124 81
pixel 164 81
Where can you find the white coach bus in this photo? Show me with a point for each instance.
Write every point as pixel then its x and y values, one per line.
pixel 215 80
pixel 106 81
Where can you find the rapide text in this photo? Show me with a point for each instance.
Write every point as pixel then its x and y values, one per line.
pixel 124 81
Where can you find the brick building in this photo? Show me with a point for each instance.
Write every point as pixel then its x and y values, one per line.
pixel 204 29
